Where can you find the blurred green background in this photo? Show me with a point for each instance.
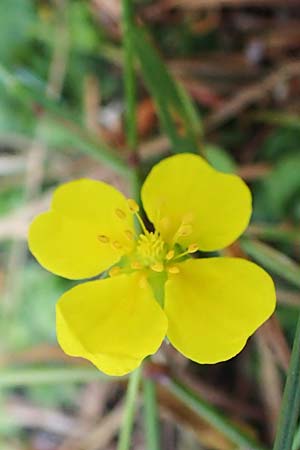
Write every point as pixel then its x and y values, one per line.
pixel 217 77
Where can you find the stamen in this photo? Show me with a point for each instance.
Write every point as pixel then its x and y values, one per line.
pixel 120 213
pixel 102 238
pixel 117 245
pixel 114 271
pixel 186 252
pixel 173 269
pixel 136 265
pixel 170 255
pixel 192 248
pixel 133 206
pixel 157 267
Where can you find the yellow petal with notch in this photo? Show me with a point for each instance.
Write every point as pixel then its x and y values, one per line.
pixel 82 234
pixel 213 305
pixel 115 323
pixel 189 202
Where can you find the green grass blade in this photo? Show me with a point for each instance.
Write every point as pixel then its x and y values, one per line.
pixel 32 95
pixel 296 440
pixel 129 75
pixel 172 102
pixel 272 260
pixel 129 409
pixel 48 375
pixel 151 415
pixel 212 416
pixel 291 400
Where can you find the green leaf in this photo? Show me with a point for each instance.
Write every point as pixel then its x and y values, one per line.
pixel 283 184
pixel 16 20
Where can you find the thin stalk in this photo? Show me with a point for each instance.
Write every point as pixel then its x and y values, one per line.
pixel 129 409
pixel 151 415
pixel 212 416
pixel 291 400
pixel 129 75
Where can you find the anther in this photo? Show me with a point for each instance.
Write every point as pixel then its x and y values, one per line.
pixel 133 206
pixel 157 267
pixel 192 248
pixel 136 265
pixel 173 269
pixel 170 255
pixel 121 214
pixel 114 271
pixel 185 230
pixel 129 235
pixel 117 245
pixel 102 238
pixel 143 282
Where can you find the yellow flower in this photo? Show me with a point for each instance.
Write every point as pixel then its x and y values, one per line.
pixel 207 307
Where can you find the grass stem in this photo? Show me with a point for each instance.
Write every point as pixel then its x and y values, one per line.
pixel 129 75
pixel 151 415
pixel 129 411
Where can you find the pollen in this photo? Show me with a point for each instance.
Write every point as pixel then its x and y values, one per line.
pixel 102 238
pixel 120 213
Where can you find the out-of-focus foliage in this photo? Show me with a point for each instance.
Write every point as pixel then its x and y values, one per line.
pixel 202 85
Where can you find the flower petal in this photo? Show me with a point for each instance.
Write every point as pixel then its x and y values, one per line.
pixel 215 304
pixel 186 189
pixel 115 322
pixel 67 239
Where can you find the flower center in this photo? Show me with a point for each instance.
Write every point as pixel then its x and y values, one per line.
pixel 150 252
pixel 150 248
